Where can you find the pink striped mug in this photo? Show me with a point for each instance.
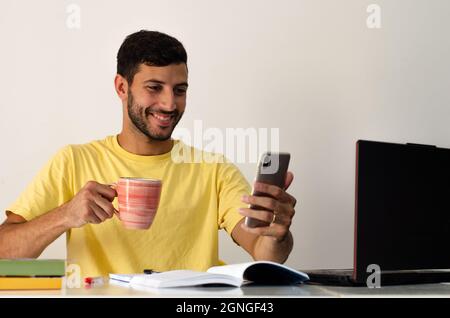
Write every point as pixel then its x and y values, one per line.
pixel 138 200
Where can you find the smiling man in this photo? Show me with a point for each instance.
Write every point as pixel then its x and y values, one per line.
pixel 71 193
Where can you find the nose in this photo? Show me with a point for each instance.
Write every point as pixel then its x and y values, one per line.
pixel 167 101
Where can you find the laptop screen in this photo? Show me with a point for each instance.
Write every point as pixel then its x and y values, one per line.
pixel 402 207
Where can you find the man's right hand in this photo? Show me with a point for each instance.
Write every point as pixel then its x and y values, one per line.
pixel 92 204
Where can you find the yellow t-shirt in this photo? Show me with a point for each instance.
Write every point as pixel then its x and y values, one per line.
pixel 197 200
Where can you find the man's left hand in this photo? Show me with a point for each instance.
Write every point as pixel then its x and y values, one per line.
pixel 280 206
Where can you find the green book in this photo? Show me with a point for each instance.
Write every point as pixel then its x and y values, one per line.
pixel 32 267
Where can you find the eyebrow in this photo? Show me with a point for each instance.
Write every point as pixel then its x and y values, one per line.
pixel 162 83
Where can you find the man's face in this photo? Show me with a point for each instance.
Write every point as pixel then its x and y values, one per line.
pixel 157 99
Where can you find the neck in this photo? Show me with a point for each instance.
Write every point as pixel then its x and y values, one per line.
pixel 141 145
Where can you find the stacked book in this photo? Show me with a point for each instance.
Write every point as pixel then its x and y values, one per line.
pixel 31 273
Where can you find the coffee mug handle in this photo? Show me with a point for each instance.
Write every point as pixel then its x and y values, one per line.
pixel 113 185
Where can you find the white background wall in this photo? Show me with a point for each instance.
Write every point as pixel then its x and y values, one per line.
pixel 310 67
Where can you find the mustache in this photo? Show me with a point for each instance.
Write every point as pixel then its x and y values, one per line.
pixel 174 113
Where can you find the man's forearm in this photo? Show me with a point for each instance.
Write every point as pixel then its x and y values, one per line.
pixel 268 249
pixel 29 239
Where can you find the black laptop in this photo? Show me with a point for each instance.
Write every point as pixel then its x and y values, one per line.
pixel 402 216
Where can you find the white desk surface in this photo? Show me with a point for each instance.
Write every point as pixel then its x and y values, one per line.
pixel 119 290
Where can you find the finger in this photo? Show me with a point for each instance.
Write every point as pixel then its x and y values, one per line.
pixel 112 185
pixel 262 215
pixel 106 191
pixel 291 200
pixel 289 179
pixel 93 218
pixel 98 212
pixel 282 218
pixel 263 202
pixel 105 205
pixel 272 190
pixel 275 192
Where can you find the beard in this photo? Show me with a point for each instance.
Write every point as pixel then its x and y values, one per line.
pixel 139 116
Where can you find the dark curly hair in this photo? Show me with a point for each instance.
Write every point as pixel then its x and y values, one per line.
pixel 151 48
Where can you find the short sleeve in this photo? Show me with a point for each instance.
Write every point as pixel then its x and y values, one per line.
pixel 232 185
pixel 50 188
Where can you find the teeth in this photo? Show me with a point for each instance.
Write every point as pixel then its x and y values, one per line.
pixel 163 118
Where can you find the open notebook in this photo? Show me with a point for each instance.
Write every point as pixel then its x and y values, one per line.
pixel 261 272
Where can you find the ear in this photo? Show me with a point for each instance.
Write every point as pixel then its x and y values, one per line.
pixel 121 86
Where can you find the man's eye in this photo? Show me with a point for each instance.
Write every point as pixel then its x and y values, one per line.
pixel 154 88
pixel 180 91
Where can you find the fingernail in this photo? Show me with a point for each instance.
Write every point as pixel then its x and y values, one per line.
pixel 245 198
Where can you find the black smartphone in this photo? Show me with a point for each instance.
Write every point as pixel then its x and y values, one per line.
pixel 272 169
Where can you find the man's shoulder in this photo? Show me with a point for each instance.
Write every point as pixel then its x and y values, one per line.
pixel 73 152
pixel 89 147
